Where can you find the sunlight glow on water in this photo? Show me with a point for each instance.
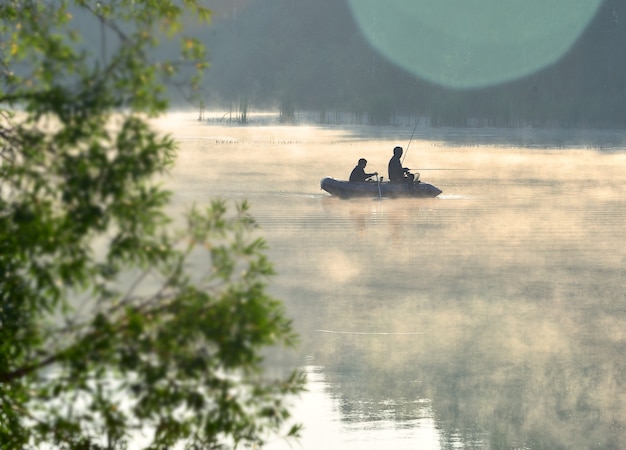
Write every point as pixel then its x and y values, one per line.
pixel 467 44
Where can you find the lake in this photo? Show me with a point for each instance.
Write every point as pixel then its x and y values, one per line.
pixel 491 317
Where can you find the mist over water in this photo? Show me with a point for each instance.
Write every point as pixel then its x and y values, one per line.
pixel 490 317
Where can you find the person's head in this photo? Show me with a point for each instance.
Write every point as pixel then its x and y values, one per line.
pixel 397 151
pixel 362 162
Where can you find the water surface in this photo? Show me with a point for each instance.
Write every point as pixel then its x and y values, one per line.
pixel 490 317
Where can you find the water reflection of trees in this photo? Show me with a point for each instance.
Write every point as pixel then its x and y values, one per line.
pixel 367 213
pixel 523 376
pixel 518 298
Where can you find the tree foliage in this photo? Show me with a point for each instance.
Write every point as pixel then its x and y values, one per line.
pixel 109 330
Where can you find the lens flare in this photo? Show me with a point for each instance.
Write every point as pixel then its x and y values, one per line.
pixel 473 43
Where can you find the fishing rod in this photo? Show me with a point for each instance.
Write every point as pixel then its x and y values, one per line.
pixel 409 144
pixel 439 169
pixel 407 151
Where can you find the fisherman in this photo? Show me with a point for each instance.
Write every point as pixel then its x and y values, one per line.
pixel 397 173
pixel 358 173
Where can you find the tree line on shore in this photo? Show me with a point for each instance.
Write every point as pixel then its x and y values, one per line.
pixel 311 56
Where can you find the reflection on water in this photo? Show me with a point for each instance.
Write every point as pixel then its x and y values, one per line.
pixel 490 317
pixel 336 422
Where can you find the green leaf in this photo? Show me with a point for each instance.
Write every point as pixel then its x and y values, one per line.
pixel 99 294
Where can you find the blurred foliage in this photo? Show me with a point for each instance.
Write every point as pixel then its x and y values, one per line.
pixel 107 327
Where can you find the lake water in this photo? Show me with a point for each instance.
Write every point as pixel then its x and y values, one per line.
pixel 491 317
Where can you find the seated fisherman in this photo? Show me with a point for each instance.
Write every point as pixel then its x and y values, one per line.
pixel 358 173
pixel 397 173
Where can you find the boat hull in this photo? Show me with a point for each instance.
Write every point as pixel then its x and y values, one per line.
pixel 346 189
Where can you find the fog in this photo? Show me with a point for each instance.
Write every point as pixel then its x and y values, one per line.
pixel 486 63
pixel 479 64
pixel 489 317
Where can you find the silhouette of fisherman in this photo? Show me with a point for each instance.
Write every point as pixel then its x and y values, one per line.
pixel 397 173
pixel 358 173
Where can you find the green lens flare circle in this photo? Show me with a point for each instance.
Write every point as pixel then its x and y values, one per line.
pixel 473 43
